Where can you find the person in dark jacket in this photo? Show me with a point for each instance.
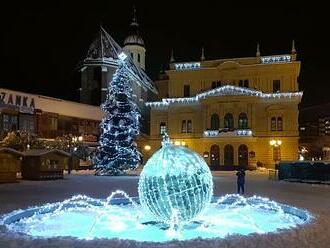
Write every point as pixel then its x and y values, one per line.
pixel 240 181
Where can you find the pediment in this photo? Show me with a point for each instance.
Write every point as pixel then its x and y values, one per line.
pixel 229 90
pixel 274 107
pixel 229 65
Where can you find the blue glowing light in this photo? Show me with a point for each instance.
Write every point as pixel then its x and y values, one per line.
pixel 87 218
pixel 175 184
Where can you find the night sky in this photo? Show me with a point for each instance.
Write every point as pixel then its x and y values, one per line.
pixel 42 45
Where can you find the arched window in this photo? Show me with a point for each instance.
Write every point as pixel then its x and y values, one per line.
pixel 184 126
pixel 229 155
pixel 215 122
pixel 243 154
pixel 279 124
pixel 273 124
pixel 214 157
pixel 242 121
pixel 229 121
pixel 189 126
pixel 162 128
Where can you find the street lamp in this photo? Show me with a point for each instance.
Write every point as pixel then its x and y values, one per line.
pixel 147 147
pixel 180 143
pixel 177 143
pixel 275 143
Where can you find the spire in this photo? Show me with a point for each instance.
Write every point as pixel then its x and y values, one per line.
pixel 134 20
pixel 258 50
pixel 172 60
pixel 203 55
pixel 293 49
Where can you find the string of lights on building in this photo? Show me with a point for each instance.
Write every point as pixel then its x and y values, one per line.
pixel 222 91
pixel 239 132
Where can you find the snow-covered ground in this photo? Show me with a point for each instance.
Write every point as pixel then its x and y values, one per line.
pixel 315 198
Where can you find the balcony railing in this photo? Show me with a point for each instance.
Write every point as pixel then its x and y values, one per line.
pixel 228 133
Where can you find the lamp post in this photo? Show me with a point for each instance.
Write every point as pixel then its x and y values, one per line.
pixel 73 148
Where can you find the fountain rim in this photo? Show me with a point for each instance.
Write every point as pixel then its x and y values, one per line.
pixel 19 214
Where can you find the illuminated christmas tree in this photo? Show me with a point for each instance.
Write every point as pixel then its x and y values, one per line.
pixel 117 152
pixel 120 126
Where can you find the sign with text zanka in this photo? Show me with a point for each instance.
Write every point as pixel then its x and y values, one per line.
pixel 16 99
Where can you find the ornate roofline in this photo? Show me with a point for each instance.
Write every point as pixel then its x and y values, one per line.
pixel 227 90
pixel 241 61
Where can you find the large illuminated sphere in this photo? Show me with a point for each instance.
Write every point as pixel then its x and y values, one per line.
pixel 175 184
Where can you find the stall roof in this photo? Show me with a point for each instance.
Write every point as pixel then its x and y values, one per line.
pixel 40 152
pixel 10 150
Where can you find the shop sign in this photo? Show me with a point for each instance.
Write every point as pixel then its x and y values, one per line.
pixel 17 100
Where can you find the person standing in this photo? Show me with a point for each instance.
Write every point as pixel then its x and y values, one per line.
pixel 240 181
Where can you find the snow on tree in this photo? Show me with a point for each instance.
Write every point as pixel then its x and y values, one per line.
pixel 118 151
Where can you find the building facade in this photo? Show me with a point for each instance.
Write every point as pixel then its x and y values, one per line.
pixel 233 112
pixel 47 117
pixel 314 129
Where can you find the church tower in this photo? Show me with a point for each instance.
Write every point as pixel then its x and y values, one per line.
pixel 134 44
pixel 99 67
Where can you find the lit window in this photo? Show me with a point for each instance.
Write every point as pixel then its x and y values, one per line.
pixel 189 126
pixel 162 128
pixel 273 124
pixel 184 127
pixel 229 121
pixel 279 124
pixel 242 121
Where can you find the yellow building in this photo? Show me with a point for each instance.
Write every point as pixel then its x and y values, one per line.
pixel 234 112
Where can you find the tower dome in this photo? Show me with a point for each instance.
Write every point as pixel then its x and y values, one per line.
pixel 134 44
pixel 134 37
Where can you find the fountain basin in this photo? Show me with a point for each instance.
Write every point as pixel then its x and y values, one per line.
pixel 123 218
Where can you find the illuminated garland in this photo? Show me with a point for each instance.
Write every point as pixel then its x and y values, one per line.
pixel 223 91
pixel 239 132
